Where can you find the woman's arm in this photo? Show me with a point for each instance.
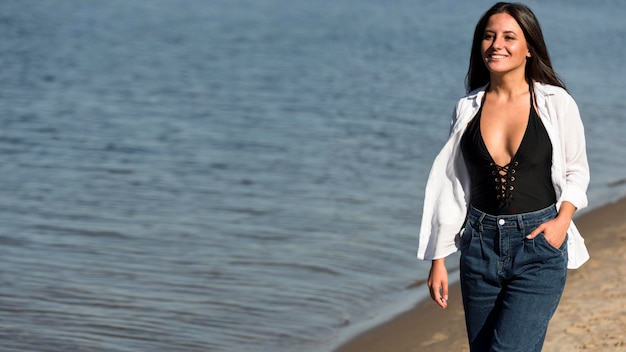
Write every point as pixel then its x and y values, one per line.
pixel 438 282
pixel 576 170
pixel 576 166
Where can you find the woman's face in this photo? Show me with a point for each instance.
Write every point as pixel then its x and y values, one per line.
pixel 504 48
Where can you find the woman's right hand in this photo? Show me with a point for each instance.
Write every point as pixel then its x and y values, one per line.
pixel 438 282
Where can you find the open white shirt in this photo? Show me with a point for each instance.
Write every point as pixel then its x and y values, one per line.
pixel 447 192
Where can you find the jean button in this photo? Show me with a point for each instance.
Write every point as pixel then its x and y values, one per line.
pixel 501 222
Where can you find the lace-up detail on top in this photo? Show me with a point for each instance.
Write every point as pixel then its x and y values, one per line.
pixel 504 178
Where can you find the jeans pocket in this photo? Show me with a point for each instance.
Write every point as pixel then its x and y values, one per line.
pixel 541 239
pixel 466 237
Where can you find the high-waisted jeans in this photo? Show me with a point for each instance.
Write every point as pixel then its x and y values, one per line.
pixel 511 285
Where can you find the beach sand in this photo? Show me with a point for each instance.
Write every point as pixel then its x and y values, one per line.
pixel 590 317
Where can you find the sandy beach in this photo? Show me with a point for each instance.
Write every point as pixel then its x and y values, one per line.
pixel 591 316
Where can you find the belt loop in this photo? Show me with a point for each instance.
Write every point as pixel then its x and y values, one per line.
pixel 480 234
pixel 520 224
pixel 480 222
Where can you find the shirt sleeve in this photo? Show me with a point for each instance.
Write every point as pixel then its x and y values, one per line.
pixel 574 149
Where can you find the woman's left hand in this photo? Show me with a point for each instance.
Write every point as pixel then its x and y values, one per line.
pixel 555 230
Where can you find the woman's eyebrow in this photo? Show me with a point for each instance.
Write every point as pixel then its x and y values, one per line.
pixel 505 32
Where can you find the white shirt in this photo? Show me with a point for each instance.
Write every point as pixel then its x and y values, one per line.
pixel 447 190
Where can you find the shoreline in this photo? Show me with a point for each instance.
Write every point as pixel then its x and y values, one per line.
pixel 585 319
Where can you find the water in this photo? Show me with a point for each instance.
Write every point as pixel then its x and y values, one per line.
pixel 242 175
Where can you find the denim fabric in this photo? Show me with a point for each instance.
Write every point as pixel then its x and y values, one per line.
pixel 511 285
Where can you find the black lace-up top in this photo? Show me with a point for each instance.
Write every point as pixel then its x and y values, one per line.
pixel 521 186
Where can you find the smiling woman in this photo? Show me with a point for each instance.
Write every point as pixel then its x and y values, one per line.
pixel 517 170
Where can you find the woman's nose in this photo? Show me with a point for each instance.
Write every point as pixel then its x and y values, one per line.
pixel 497 43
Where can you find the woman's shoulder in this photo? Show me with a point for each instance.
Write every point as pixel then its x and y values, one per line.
pixel 474 93
pixel 556 97
pixel 555 103
pixel 466 108
pixel 472 98
pixel 548 90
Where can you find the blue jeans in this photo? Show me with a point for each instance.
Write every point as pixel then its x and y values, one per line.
pixel 511 285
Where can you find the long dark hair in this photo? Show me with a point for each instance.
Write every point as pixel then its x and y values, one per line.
pixel 538 66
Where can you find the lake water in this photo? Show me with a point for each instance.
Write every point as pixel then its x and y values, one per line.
pixel 243 175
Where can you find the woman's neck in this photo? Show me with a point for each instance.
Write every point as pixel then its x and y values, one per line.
pixel 507 86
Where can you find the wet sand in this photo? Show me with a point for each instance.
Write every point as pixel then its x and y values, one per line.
pixel 591 316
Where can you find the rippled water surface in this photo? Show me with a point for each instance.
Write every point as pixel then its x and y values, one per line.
pixel 241 175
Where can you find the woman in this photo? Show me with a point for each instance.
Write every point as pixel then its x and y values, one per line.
pixel 505 186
